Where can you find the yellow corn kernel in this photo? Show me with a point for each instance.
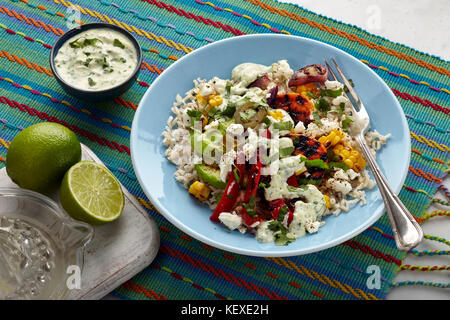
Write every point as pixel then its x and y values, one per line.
pixel 349 163
pixel 355 153
pixel 331 135
pixel 327 200
pixel 299 172
pixel 339 132
pixel 199 190
pixel 345 153
pixel 309 87
pixel 338 148
pixel 277 115
pixel 323 140
pixel 361 162
pixel 335 140
pixel 201 99
pixel 353 158
pixel 215 101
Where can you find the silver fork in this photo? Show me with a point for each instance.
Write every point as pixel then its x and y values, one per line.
pixel 407 232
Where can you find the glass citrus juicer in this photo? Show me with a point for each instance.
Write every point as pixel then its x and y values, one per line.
pixel 41 247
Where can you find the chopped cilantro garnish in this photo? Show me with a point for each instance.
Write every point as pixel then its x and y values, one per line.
pixel 281 237
pixel 236 175
pixel 229 110
pixel 118 44
pixel 102 62
pixel 345 123
pixel 91 82
pixel 81 44
pixel 264 185
pixel 340 165
pixel 322 105
pixel 351 83
pixel 331 93
pixel 195 115
pixel 267 121
pixel 228 88
pixel 317 118
pixel 311 95
pixel 86 63
pixel 332 156
pixel 250 206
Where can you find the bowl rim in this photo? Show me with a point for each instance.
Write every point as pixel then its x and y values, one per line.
pixel 95 25
pixel 270 253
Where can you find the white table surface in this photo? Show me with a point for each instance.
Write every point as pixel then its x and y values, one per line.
pixel 423 25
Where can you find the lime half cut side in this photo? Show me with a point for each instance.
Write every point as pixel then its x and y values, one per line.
pixel 91 193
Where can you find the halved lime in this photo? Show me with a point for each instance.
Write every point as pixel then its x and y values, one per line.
pixel 90 192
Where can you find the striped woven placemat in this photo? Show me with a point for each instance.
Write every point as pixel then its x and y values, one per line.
pixel 167 30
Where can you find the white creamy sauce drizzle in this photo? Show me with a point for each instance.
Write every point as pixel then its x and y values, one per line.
pixel 305 214
pixel 96 59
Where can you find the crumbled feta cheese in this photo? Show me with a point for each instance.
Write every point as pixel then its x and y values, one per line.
pixel 219 85
pixel 235 129
pixel 312 226
pixel 226 164
pixel 281 70
pixel 341 99
pixel 333 85
pixel 212 125
pixel 352 174
pixel 230 220
pixel 299 127
pixel 327 126
pixel 206 89
pixel 251 145
pixel 341 186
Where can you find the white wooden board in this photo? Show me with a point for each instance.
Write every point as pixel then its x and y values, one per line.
pixel 117 251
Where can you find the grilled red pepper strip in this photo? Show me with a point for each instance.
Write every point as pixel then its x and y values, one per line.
pixel 250 194
pixel 278 204
pixel 230 195
pixel 253 181
pixel 292 181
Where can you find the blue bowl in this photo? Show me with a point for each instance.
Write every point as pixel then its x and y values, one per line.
pixel 97 95
pixel 156 174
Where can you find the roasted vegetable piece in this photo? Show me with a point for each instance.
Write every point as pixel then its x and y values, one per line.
pixel 276 206
pixel 273 95
pixel 312 73
pixel 312 150
pixel 231 193
pixel 199 190
pixel 297 105
pixel 309 147
pixel 262 82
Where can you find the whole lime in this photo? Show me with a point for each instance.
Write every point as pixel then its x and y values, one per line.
pixel 39 156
